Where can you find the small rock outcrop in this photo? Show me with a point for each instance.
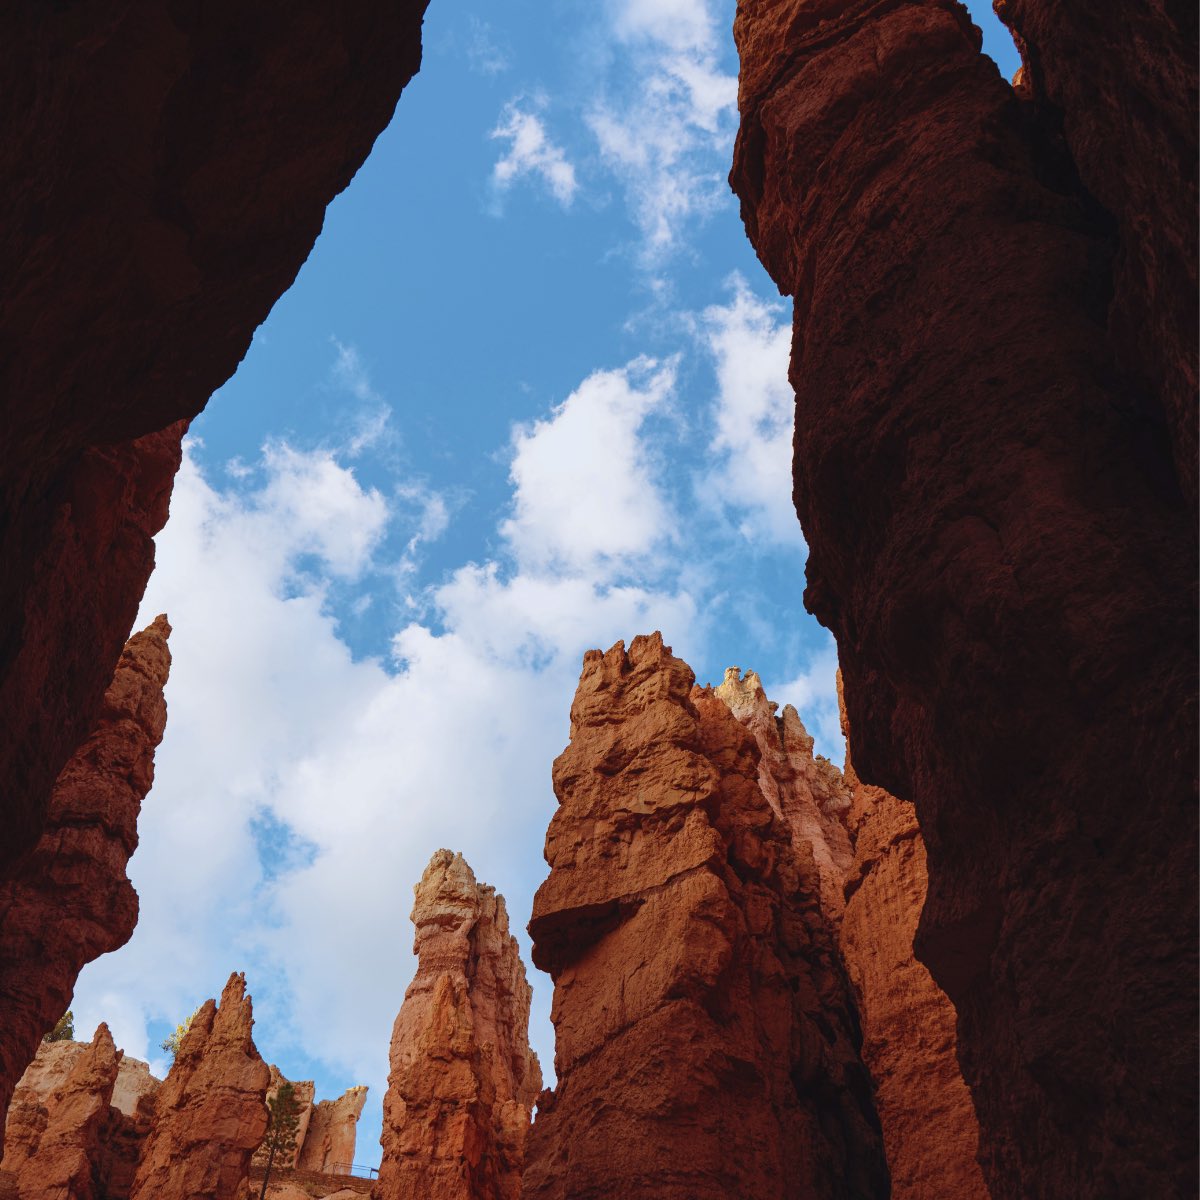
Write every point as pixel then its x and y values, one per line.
pixel 994 351
pixel 210 1113
pixel 705 1043
pixel 69 900
pixel 332 1133
pixel 463 1079
pixel 56 1144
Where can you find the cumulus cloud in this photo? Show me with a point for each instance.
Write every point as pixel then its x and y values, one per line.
pixel 585 488
pixel 531 152
pixel 749 340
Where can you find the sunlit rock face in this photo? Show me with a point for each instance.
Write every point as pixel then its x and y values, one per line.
pixel 303 1091
pixel 167 179
pixel 991 463
pixel 332 1133
pixel 705 1042
pixel 463 1078
pixel 211 1112
pixel 69 900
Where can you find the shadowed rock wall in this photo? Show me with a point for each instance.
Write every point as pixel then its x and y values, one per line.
pixel 167 169
pixel 991 463
pixel 69 900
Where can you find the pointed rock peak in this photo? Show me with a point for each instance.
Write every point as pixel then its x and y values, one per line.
pixel 744 693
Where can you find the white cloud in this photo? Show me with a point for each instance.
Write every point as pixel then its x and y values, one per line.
pixel 584 479
pixel 371 414
pixel 665 125
pixel 484 52
pixel 750 341
pixel 531 152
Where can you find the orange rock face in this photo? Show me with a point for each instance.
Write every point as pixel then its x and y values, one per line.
pixel 463 1078
pixel 55 1154
pixel 69 900
pixel 211 1112
pixel 303 1090
pixel 332 1133
pixel 704 1038
pixel 994 352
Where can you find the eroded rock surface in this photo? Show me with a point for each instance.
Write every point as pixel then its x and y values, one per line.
pixel 704 1038
pixel 988 474
pixel 56 1144
pixel 69 900
pixel 303 1090
pixel 333 1133
pixel 463 1079
pixel 211 1112
pixel 166 181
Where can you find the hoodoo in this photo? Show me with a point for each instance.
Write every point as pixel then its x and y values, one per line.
pixel 463 1078
pixel 69 900
pixel 994 355
pixel 705 1039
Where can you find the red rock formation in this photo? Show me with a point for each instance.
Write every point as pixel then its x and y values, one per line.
pixel 54 1154
pixel 704 1040
pixel 69 900
pixel 332 1133
pixel 166 180
pixel 303 1090
pixel 988 489
pixel 463 1078
pixel 930 1130
pixel 805 790
pixel 211 1113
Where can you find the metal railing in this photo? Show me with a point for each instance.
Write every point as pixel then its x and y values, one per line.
pixel 355 1169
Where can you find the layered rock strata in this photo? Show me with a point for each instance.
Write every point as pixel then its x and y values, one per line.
pixel 463 1079
pixel 69 900
pixel 167 177
pixel 60 1162
pixel 989 341
pixel 211 1113
pixel 332 1133
pixel 705 1041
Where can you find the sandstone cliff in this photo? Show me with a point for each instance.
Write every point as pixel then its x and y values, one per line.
pixel 165 181
pixel 332 1133
pixel 69 900
pixel 705 1042
pixel 990 340
pixel 57 1142
pixel 303 1090
pixel 211 1113
pixel 463 1078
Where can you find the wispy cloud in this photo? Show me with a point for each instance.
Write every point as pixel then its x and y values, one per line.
pixel 531 152
pixel 485 53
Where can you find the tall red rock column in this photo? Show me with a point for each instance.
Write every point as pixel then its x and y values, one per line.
pixel 61 1164
pixel 69 900
pixel 463 1078
pixel 704 1044
pixel 332 1133
pixel 988 473
pixel 211 1112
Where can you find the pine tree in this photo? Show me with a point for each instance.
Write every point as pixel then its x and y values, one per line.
pixel 281 1130
pixel 64 1030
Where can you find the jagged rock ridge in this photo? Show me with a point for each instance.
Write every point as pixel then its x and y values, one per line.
pixel 463 1079
pixel 994 326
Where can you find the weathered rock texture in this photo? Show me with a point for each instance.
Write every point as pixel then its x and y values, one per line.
pixel 705 1043
pixel 332 1133
pixel 211 1112
pixel 56 1147
pixel 303 1090
pixel 805 790
pixel 69 900
pixel 990 341
pixel 930 1130
pixel 463 1079
pixel 166 179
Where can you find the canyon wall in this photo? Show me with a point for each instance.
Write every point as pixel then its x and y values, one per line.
pixel 705 1040
pixel 463 1078
pixel 211 1113
pixel 303 1090
pixel 990 340
pixel 166 180
pixel 332 1133
pixel 69 900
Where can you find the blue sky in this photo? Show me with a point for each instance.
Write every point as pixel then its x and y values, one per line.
pixel 528 396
